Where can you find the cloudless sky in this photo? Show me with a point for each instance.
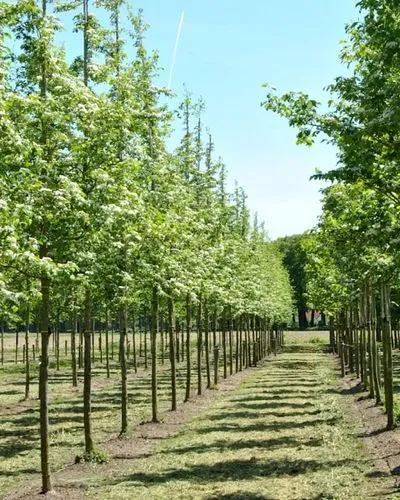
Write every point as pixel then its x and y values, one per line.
pixel 228 49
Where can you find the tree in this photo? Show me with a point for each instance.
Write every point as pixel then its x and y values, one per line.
pixel 295 260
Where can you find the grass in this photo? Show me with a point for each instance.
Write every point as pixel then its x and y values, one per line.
pixel 19 421
pixel 282 434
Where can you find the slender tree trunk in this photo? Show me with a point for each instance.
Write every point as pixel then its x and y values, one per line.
pixel 112 339
pixel 206 342
pixel 107 346
pixel 237 348
pixel 216 361
pixel 87 376
pixel 199 346
pixel 387 354
pixel 134 343
pixel 357 351
pixel 43 381
pixel 123 367
pixel 2 343
pixel 162 342
pixel 364 356
pixel 16 344
pixel 172 353
pixel 57 337
pixel 230 343
pixel 73 350
pixel 92 337
pixel 215 328
pixel 224 345
pixel 369 340
pixel 240 344
pixel 101 344
pixel 27 367
pixel 140 336
pixel 248 346
pixel 374 349
pixel 145 343
pixel 183 340
pixel 188 359
pixel 177 344
pixel 154 333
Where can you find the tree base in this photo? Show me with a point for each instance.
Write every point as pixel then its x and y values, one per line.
pixel 95 456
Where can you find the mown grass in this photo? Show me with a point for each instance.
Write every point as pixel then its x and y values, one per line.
pixel 19 421
pixel 282 434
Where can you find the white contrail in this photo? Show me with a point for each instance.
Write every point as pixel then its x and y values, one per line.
pixel 178 37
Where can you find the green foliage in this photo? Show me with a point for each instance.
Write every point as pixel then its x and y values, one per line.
pixel 295 260
pixel 357 237
pixel 92 197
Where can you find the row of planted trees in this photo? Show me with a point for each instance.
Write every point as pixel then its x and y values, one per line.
pixel 354 259
pixel 357 291
pixel 99 220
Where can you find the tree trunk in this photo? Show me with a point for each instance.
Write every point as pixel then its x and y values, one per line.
pixel 123 367
pixel 27 367
pixel 43 382
pixel 172 353
pixel 199 347
pixel 2 343
pixel 16 344
pixel 387 354
pixel 93 343
pixel 224 345
pixel 154 332
pixel 312 322
pixel 57 338
pixel 107 346
pixel 206 342
pixel 145 342
pixel 87 376
pixel 188 359
pixel 230 343
pixel 303 324
pixel 73 350
pixel 134 343
pixel 240 347
pixel 237 349
pixel 374 349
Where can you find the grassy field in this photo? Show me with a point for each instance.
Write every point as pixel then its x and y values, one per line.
pixel 19 420
pixel 282 433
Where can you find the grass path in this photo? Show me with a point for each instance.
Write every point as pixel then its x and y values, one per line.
pixel 284 433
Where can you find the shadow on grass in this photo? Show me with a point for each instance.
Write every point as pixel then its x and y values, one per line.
pixel 273 405
pixel 254 414
pixel 10 473
pixel 285 384
pixel 230 470
pixel 262 427
pixel 239 495
pixel 244 444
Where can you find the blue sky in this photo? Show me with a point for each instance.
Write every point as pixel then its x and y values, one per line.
pixel 228 49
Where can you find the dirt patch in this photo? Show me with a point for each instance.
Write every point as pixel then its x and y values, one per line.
pixel 382 446
pixel 70 481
